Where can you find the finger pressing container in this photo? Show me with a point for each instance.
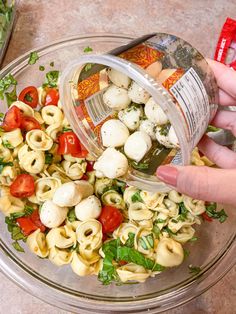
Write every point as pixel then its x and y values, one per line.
pixel 167 73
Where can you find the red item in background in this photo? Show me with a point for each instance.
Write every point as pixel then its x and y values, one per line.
pixel 227 43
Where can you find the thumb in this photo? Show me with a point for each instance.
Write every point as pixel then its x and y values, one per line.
pixel 204 183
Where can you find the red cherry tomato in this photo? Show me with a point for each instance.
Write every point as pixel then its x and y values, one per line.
pixel 22 186
pixel 26 225
pixel 69 144
pixel 12 119
pixel 206 217
pixel 29 123
pixel 90 165
pixel 36 220
pixel 52 97
pixel 82 154
pixel 29 96
pixel 110 218
pixel 31 223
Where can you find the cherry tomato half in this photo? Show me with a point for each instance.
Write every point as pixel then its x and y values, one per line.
pixel 29 96
pixel 22 186
pixel 26 224
pixel 12 119
pixel 110 218
pixel 36 220
pixel 69 144
pixel 82 154
pixel 29 123
pixel 31 223
pixel 206 217
pixel 90 165
pixel 52 97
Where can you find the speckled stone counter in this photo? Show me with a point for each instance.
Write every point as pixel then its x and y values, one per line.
pixel 40 22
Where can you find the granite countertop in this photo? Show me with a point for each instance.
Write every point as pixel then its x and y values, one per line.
pixel 40 22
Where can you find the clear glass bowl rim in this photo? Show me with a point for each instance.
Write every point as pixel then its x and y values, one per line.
pixel 45 290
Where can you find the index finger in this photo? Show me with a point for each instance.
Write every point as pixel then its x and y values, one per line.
pixel 225 77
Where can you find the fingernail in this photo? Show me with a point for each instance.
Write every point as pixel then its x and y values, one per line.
pixel 167 174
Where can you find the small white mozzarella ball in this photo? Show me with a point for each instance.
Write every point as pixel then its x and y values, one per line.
pixel 111 164
pixel 137 145
pixel 52 215
pixel 89 208
pixel 116 98
pixel 155 113
pixel 173 137
pixel 67 195
pixel 148 127
pixel 138 94
pixel 118 78
pixel 154 69
pixel 165 74
pixel 163 139
pixel 114 133
pixel 131 117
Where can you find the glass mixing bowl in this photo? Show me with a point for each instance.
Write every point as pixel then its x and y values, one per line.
pixel 214 251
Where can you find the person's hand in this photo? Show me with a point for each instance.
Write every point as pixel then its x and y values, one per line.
pixel 205 183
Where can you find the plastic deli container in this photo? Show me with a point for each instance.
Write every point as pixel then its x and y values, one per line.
pixel 187 94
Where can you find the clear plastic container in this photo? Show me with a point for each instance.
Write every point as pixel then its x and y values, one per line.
pixel 188 96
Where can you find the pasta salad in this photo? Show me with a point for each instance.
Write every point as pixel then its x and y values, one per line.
pixel 55 203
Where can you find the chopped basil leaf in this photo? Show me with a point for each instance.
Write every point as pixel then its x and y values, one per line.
pixel 212 128
pixel 88 49
pixel 121 185
pixel 147 242
pixel 160 221
pixel 130 241
pixel 17 234
pixel 6 82
pixel 6 144
pixel 6 9
pixel 65 129
pixel 186 253
pixel 28 210
pixel 52 64
pixel 71 215
pixel 139 165
pixel 182 212
pixel 16 215
pixel 4 164
pixel 48 158
pixel 213 213
pixel 17 247
pixel 51 79
pixel 136 197
pixel 169 231
pixel 1 116
pixel 28 97
pixel 41 68
pixel 193 239
pixel 11 96
pixel 88 67
pixel 194 269
pixel 156 230
pixel 165 129
pixel 33 57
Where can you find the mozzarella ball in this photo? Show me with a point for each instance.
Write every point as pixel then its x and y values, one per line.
pixel 67 195
pixel 116 98
pixel 163 76
pixel 148 127
pixel 163 138
pixel 155 113
pixel 137 145
pixel 154 69
pixel 131 117
pixel 111 164
pixel 89 208
pixel 52 215
pixel 138 94
pixel 114 133
pixel 118 78
pixel 173 137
